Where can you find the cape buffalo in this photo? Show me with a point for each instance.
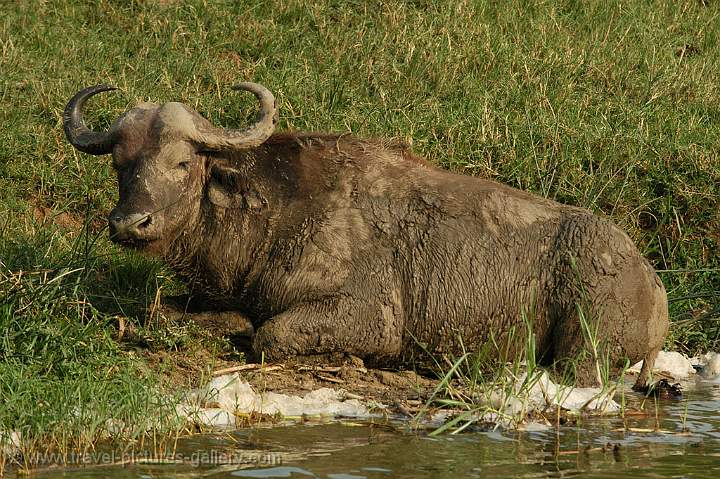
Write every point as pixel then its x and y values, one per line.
pixel 334 244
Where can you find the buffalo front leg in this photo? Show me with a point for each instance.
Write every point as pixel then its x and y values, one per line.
pixel 332 325
pixel 212 317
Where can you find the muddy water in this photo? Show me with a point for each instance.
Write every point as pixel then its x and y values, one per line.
pixel 681 440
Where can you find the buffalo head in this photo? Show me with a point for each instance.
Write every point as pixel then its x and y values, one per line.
pixel 162 156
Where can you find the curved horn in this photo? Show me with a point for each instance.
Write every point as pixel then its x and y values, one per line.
pixel 79 135
pixel 253 135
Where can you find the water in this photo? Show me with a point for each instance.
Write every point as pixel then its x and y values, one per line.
pixel 687 444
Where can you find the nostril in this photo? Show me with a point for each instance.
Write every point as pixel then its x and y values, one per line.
pixel 134 226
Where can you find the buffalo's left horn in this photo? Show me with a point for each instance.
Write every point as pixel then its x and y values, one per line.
pixel 251 136
pixel 79 135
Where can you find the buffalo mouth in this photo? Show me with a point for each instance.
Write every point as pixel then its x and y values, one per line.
pixel 135 243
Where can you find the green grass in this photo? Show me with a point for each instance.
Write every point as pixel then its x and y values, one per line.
pixel 65 382
pixel 613 107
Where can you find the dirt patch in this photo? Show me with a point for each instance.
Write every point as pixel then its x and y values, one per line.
pixel 64 220
pixel 404 392
pixel 179 371
pixel 397 389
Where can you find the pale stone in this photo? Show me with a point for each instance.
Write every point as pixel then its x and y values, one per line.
pixel 673 363
pixel 222 398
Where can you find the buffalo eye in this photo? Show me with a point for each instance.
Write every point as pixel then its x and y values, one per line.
pixel 185 165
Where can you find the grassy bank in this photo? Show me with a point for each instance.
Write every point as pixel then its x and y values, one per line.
pixel 613 108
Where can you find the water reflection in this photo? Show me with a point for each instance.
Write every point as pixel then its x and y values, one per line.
pixel 680 440
pixel 273 472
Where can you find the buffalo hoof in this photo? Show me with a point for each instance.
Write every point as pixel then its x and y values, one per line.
pixel 662 390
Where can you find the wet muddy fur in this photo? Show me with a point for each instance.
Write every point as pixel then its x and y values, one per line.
pixel 329 243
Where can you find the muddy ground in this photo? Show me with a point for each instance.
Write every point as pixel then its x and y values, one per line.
pixel 403 391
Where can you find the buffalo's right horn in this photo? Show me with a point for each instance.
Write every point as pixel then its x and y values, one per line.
pixel 251 136
pixel 79 135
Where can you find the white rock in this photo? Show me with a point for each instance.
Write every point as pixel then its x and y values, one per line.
pixel 231 393
pixel 10 442
pixel 533 426
pixel 709 364
pixel 673 363
pixel 213 417
pixel 220 400
pixel 711 369
pixel 321 402
pixel 544 392
pixel 508 406
pixel 540 392
pixel 115 427
pixel 590 398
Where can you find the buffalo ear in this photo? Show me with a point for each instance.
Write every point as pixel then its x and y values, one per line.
pixel 229 188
